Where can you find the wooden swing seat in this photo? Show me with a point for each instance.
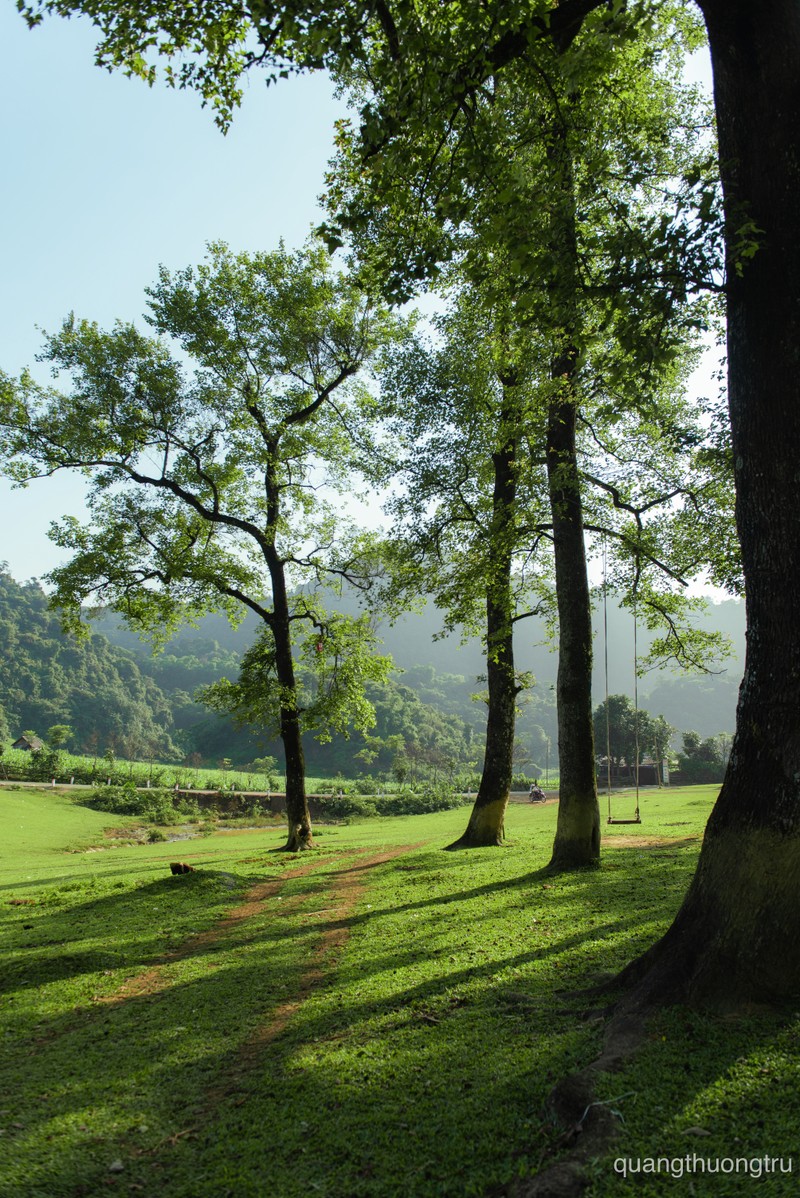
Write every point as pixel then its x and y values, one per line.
pixel 624 821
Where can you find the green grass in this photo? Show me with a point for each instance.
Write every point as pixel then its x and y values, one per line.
pixel 38 826
pixel 88 770
pixel 414 1057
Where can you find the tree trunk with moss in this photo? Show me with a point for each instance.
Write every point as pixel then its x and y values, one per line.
pixel 487 821
pixel 734 940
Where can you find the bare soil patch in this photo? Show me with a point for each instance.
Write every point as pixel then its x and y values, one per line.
pixel 648 842
pixel 340 903
pixel 154 979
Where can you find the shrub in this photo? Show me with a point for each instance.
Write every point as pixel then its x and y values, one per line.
pixel 695 771
pixel 154 806
pixel 345 807
pixel 429 799
pixel 364 786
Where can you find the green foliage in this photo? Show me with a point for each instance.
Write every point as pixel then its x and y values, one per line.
pixel 425 726
pixel 96 689
pixel 45 764
pixel 429 799
pixel 465 410
pixel 269 337
pixel 522 782
pixel 263 765
pixel 623 728
pixel 345 807
pixel 207 447
pixel 336 662
pixel 153 806
pixel 58 735
pixel 704 760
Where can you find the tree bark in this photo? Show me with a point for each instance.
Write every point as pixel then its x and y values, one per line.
pixel 297 812
pixel 577 839
pixel 734 940
pixel 487 821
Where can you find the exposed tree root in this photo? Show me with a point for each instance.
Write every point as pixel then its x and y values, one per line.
pixel 587 1126
pixel 299 840
pixel 470 842
pixel 677 970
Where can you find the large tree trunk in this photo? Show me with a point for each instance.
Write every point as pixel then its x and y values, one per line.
pixel 486 823
pixel 297 812
pixel 734 940
pixel 577 840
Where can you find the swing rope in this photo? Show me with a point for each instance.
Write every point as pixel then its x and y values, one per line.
pixel 605 653
pixel 637 819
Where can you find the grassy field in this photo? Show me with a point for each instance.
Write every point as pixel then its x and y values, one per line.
pixel 17 764
pixel 376 1019
pixel 90 770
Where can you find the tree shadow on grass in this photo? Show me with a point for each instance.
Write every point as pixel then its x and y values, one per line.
pixel 42 944
pixel 402 1073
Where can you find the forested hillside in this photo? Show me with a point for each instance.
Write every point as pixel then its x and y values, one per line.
pixel 445 673
pixel 96 687
pixel 115 694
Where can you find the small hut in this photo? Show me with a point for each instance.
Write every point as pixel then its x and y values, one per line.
pixel 28 743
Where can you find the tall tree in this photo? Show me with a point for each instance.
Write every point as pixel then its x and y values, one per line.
pixel 553 193
pixel 733 940
pixel 471 504
pixel 472 411
pixel 205 475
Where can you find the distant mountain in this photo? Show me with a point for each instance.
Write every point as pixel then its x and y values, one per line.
pixel 115 693
pixel 444 672
pixel 47 677
pixel 706 704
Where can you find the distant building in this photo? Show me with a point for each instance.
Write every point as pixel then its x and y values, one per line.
pixel 28 743
pixel 625 775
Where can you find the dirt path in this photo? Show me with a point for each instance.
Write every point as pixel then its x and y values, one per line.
pixel 341 900
pixel 155 979
pixel 345 889
pixel 649 842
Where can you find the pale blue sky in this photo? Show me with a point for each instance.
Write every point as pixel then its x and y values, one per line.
pixel 103 180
